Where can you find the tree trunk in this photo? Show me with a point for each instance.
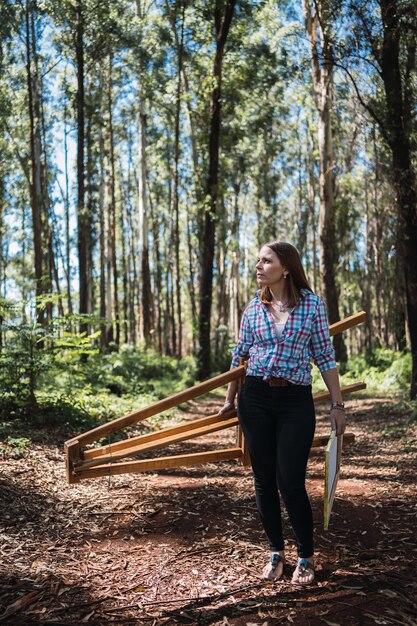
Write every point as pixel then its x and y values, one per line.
pixel 67 264
pixel 176 188
pixel 398 126
pixel 312 205
pixel 142 208
pixel 125 260
pixel 90 193
pixel 194 222
pixel 367 286
pixel 222 27
pixel 170 273
pixel 2 203
pixel 105 313
pixel 134 292
pixel 112 205
pixel 35 154
pixel 158 272
pixel 322 77
pixel 81 211
pixel 191 286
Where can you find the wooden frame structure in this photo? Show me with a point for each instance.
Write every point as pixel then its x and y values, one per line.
pixel 108 460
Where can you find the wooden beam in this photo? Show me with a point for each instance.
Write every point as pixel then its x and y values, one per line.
pixel 72 455
pixel 188 394
pixel 160 406
pixel 181 432
pixel 191 433
pixel 320 396
pixel 322 440
pixel 347 322
pixel 159 434
pixel 183 460
pixel 165 462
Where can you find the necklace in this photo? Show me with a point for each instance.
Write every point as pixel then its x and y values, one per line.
pixel 282 308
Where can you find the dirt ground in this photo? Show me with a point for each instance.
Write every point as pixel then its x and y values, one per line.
pixel 185 546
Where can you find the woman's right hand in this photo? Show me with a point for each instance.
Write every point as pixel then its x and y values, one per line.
pixel 227 406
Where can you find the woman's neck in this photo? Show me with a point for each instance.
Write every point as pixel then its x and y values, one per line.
pixel 279 293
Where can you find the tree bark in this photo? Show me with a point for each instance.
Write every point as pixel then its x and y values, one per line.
pixel 82 234
pixel 176 188
pixel 67 264
pixel 142 208
pixel 112 205
pixel 191 285
pixel 2 203
pixel 90 193
pixel 222 27
pixel 105 312
pixel 398 126
pixel 126 282
pixel 318 27
pixel 35 153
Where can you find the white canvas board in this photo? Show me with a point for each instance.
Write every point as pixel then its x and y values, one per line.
pixel 333 453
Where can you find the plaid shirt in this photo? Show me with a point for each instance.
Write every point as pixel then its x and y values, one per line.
pixel 305 336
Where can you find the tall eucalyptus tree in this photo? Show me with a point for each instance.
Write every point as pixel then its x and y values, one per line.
pixel 318 27
pixel 222 13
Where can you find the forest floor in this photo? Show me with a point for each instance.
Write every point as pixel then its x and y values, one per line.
pixel 185 546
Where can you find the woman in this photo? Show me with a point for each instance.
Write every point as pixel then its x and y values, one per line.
pixel 282 328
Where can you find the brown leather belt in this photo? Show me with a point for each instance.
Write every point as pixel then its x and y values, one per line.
pixel 278 382
pixel 275 382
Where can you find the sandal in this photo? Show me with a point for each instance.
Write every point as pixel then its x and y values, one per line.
pixel 270 569
pixel 304 568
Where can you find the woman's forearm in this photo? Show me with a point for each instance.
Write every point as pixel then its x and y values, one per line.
pixel 331 379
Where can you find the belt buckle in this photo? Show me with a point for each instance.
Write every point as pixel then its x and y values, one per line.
pixel 278 382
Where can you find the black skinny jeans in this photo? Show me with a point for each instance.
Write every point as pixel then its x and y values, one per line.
pixel 278 424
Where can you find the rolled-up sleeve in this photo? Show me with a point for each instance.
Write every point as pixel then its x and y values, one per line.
pixel 241 350
pixel 322 350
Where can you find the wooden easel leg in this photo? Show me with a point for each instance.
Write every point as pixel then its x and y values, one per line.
pixel 72 454
pixel 245 459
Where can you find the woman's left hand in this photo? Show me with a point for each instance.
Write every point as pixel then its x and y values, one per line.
pixel 338 421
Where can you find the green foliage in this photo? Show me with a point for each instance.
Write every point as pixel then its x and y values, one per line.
pixel 55 376
pixel 31 349
pixel 383 369
pixel 14 447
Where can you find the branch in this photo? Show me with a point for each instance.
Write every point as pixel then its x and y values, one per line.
pixel 342 52
pixel 366 106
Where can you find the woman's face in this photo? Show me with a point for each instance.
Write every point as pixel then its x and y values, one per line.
pixel 269 270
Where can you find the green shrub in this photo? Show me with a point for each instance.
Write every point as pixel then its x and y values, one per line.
pixel 384 370
pixel 14 447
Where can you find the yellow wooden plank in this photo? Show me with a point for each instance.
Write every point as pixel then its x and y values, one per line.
pixel 72 455
pixel 159 443
pixel 160 406
pixel 323 440
pixel 159 434
pixel 142 443
pixel 347 322
pixel 145 465
pixel 320 396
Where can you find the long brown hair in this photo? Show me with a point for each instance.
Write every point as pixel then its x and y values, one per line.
pixel 296 278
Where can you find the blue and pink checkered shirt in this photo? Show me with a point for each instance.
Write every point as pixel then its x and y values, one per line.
pixel 306 336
